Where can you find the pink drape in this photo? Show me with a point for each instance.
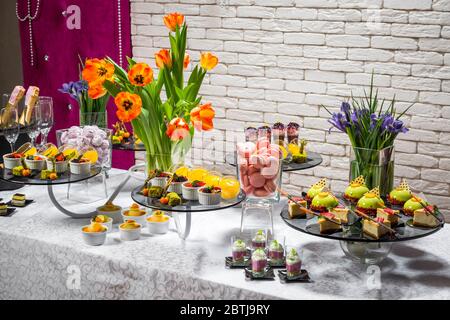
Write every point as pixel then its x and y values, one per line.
pixel 60 34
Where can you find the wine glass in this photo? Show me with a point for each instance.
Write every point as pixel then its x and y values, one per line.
pixel 34 126
pixel 10 125
pixel 46 110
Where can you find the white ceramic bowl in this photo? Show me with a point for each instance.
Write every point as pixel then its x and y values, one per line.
pixel 158 227
pixel 108 224
pixel 36 164
pixel 159 181
pixel 209 199
pixel 190 193
pixel 139 219
pixel 116 215
pixel 61 166
pixel 79 168
pixel 94 238
pixel 11 162
pixel 130 234
pixel 176 187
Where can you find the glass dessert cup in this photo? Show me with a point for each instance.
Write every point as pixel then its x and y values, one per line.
pixel 238 250
pixel 293 261
pixel 259 263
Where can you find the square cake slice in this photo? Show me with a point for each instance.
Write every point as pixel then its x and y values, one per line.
pixel 422 218
pixel 341 213
pixel 294 208
pixel 3 208
pixel 374 229
pixel 18 199
pixel 388 214
pixel 326 225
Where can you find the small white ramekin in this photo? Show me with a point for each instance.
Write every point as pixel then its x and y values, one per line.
pixel 108 224
pixel 190 193
pixel 80 168
pixel 10 163
pixel 176 187
pixel 116 215
pixel 61 166
pixel 158 227
pixel 94 238
pixel 209 199
pixel 36 164
pixel 139 219
pixel 159 181
pixel 130 234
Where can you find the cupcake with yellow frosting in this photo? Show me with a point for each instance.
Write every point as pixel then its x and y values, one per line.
pixel 158 223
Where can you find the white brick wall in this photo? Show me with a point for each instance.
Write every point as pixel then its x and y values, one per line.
pixel 282 59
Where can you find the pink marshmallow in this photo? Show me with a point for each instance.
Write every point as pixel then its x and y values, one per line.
pixel 251 169
pixel 243 165
pixel 261 192
pixel 257 180
pixel 257 160
pixel 245 149
pixel 262 143
pixel 248 189
pixel 270 186
pixel 245 180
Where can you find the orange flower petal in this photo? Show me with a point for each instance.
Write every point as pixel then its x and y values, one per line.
pixel 163 59
pixel 140 74
pixel 129 106
pixel 173 20
pixel 208 61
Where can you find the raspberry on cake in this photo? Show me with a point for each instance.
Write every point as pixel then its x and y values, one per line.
pixel 375 229
pixel 294 207
pixel 356 189
pixel 423 218
pixel 388 214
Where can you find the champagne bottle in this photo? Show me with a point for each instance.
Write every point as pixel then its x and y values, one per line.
pixel 13 101
pixel 31 98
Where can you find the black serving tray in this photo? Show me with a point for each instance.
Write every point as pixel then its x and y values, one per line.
pixel 229 263
pixel 302 277
pixel 9 212
pixel 27 202
pixel 269 274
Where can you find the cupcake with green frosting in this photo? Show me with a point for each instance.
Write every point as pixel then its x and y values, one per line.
pixel 324 202
pixel 400 194
pixel 413 204
pixel 356 189
pixel 370 202
pixel 315 190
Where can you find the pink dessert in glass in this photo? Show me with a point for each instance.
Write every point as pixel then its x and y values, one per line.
pixel 264 132
pixel 251 134
pixel 278 133
pixel 276 252
pixel 259 262
pixel 239 251
pixel 259 240
pixel 292 132
pixel 293 263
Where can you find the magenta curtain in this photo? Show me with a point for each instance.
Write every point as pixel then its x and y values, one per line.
pixel 62 30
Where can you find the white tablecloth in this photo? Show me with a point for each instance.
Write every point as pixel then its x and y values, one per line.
pixel 42 254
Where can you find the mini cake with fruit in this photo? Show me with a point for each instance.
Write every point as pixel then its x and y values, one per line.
pixel 177 183
pixel 413 204
pixel 315 189
pixel 209 195
pixel 389 214
pixel 294 207
pixel 35 162
pixel 190 189
pixel 153 192
pixel 293 263
pixel 400 194
pixel 300 156
pixel 329 223
pixel 375 229
pixel 426 217
pixel 21 171
pixel 356 189
pixel 259 240
pixel 238 251
pixel 324 201
pixel 370 202
pixel 12 160
pixel 48 175
pixel 18 200
pixel 259 262
pixel 276 252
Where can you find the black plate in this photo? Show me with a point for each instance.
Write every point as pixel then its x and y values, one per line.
pixel 313 159
pixel 34 179
pixel 27 202
pixel 186 205
pixel 268 275
pixel 302 277
pixel 229 263
pixel 9 212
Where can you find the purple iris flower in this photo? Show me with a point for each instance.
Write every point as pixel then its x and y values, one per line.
pixel 339 121
pixel 345 108
pixel 373 120
pixel 398 126
pixel 74 89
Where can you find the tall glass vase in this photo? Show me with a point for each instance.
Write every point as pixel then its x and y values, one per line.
pixel 377 167
pixel 99 119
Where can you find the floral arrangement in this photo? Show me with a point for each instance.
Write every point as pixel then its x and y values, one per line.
pixel 372 127
pixel 165 127
pixel 90 96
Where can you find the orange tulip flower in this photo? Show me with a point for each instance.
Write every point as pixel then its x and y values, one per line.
pixel 173 20
pixel 177 129
pixel 96 91
pixel 163 59
pixel 186 61
pixel 202 116
pixel 208 61
pixel 97 71
pixel 128 106
pixel 140 74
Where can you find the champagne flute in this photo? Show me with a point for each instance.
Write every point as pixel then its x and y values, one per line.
pixel 46 110
pixel 35 124
pixel 10 125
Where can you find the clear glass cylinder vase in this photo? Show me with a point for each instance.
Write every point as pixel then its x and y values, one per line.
pixel 377 167
pixel 99 119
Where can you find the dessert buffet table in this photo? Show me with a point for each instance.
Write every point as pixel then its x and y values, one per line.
pixel 43 256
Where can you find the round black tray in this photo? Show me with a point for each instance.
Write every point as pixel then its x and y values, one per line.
pixel 186 205
pixel 353 232
pixel 313 159
pixel 34 179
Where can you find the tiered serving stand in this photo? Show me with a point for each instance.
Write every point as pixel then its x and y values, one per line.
pixel 354 243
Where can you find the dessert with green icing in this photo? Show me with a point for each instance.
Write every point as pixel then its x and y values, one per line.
pixel 315 189
pixel 356 189
pixel 370 202
pixel 413 204
pixel 400 194
pixel 324 202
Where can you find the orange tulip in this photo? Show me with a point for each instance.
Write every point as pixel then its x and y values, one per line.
pixel 208 61
pixel 177 129
pixel 128 106
pixel 202 116
pixel 173 20
pixel 163 59
pixel 140 74
pixel 96 91
pixel 97 71
pixel 186 61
